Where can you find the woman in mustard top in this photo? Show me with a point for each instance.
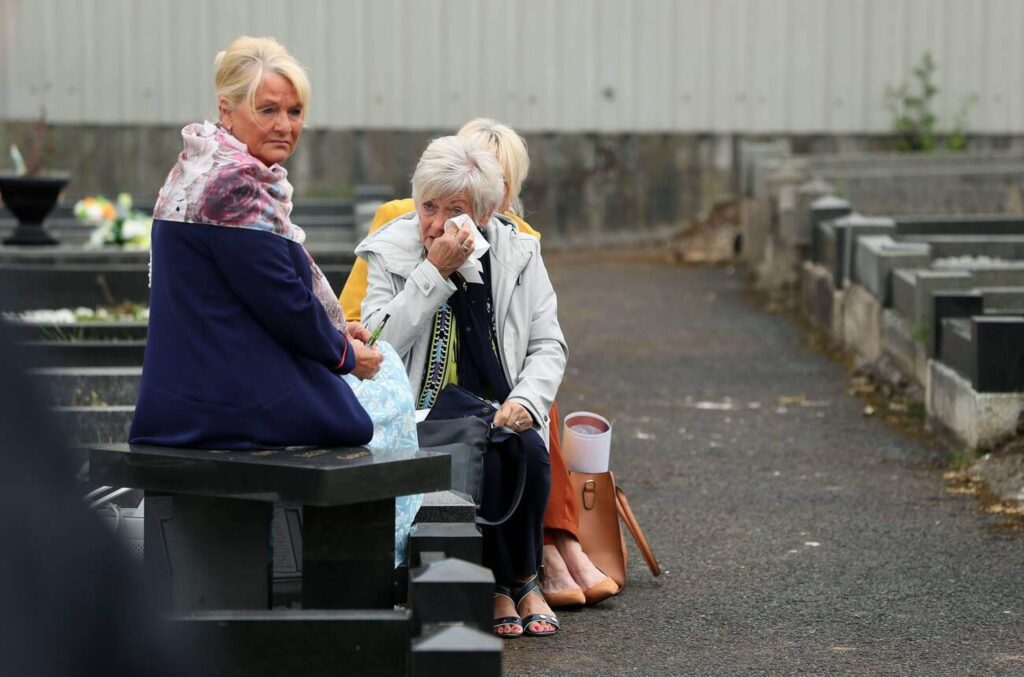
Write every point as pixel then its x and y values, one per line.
pixel 571 579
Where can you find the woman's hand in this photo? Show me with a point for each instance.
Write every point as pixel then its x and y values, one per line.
pixel 357 331
pixel 513 415
pixel 368 360
pixel 451 250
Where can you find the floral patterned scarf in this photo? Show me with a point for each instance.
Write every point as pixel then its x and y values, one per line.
pixel 216 181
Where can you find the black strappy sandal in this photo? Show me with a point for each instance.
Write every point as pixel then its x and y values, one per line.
pixel 519 595
pixel 502 591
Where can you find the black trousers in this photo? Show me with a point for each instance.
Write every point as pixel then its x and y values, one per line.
pixel 513 550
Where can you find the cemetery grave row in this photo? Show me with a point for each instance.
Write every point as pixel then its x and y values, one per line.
pixel 939 294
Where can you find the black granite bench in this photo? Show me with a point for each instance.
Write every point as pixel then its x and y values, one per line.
pixel 208 516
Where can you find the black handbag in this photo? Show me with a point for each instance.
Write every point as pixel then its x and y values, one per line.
pixel 459 424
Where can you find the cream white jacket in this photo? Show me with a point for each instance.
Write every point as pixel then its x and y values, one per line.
pixel 408 288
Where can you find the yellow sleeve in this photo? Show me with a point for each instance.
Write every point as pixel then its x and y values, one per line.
pixel 523 226
pixel 355 286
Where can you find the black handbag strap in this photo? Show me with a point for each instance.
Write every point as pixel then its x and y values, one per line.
pixel 502 440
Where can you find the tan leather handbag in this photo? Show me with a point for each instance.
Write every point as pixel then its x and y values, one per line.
pixel 601 505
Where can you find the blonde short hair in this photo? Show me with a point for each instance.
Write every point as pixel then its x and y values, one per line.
pixel 453 164
pixel 239 70
pixel 509 148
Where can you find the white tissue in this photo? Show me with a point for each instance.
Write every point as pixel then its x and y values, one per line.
pixel 472 268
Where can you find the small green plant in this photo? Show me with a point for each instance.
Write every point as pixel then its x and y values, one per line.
pixel 915 123
pixel 961 460
pixel 921 334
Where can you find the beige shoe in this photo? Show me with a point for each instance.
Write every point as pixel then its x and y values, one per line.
pixel 596 594
pixel 566 599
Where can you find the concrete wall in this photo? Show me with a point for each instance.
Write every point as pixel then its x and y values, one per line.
pixel 580 185
pixel 693 66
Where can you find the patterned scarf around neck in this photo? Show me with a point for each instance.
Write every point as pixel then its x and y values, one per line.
pixel 217 182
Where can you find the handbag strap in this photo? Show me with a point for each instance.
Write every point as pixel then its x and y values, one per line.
pixel 504 439
pixel 626 513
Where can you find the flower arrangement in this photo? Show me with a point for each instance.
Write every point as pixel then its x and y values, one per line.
pixel 116 224
pixel 126 312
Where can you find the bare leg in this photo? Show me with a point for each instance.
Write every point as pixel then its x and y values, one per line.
pixel 556 574
pixel 579 566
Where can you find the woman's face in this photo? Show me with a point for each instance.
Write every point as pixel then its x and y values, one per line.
pixel 271 127
pixel 434 213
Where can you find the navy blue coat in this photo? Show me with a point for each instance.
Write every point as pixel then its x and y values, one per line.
pixel 240 354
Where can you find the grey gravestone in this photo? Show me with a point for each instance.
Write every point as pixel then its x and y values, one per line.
pixel 451 591
pixel 1004 300
pixel 847 229
pixel 877 256
pixel 825 208
pixel 457 651
pixel 950 304
pixel 956 348
pixel 460 540
pixel 806 194
pixel 912 291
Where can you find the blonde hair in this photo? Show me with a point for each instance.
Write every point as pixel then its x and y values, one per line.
pixel 510 150
pixel 453 164
pixel 239 70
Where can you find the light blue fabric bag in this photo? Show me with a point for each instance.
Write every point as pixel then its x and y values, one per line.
pixel 387 398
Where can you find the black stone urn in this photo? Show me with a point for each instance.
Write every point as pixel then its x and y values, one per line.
pixel 31 198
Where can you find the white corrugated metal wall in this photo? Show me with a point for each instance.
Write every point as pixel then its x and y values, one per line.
pixel 772 66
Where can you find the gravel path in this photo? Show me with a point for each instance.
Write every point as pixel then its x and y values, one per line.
pixel 799 537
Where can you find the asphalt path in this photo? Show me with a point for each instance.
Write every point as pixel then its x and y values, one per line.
pixel 798 535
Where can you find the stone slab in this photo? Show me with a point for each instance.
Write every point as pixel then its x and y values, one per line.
pixel 1003 299
pixel 979 420
pixel 445 507
pixel 877 256
pixel 460 540
pixel 77 331
pixel 87 353
pixel 297 642
pixel 821 210
pixel 456 651
pixel 1008 247
pixel 898 342
pixel 318 477
pixel 912 288
pixel 452 591
pixel 848 230
pixel 957 350
pixel 90 425
pixel 949 305
pixel 89 386
pixel 862 324
pixel 206 552
pixel 979 224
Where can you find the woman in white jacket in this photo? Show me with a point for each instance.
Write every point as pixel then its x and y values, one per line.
pixel 471 303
